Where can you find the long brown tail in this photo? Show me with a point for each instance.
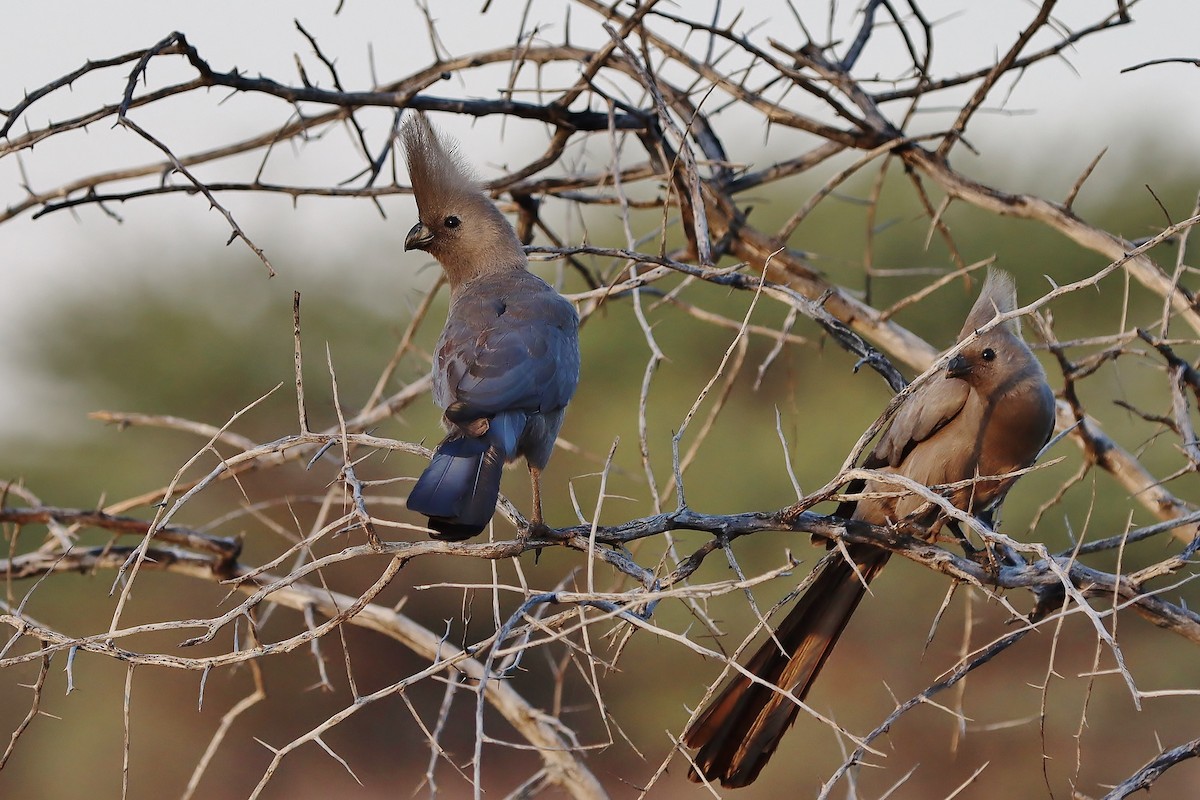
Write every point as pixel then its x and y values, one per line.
pixel 740 729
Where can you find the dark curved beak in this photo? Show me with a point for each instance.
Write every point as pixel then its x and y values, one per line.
pixel 418 238
pixel 958 367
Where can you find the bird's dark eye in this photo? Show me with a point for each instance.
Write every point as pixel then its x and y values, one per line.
pixel 988 354
pixel 452 222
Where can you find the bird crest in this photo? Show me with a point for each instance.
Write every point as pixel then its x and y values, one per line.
pixel 459 225
pixel 998 296
pixel 441 178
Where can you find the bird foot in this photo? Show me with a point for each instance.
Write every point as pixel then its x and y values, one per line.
pixel 983 556
pixel 536 529
pixel 1050 600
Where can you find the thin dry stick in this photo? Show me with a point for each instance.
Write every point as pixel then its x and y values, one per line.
pixel 164 515
pixel 125 730
pixel 1145 777
pixel 227 721
pixel 39 682
pixel 298 358
pixel 355 486
pixel 237 233
pixel 405 343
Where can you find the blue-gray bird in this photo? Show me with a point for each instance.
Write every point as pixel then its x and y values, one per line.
pixel 989 416
pixel 507 362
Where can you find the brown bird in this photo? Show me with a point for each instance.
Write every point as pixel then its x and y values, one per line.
pixel 507 362
pixel 990 415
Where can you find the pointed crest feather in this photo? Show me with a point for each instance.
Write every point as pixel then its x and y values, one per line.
pixel 440 175
pixel 998 295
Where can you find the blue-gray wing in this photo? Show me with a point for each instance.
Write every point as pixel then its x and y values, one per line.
pixel 510 344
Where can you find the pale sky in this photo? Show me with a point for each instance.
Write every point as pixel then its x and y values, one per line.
pixel 1061 115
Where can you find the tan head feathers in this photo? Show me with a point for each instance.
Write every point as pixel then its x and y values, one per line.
pixel 437 170
pixel 458 224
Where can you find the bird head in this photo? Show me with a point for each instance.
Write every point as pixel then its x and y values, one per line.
pixel 1000 354
pixel 458 224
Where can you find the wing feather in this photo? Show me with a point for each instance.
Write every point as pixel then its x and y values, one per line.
pixel 513 350
pixel 925 413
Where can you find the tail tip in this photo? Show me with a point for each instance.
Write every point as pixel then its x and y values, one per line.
pixel 445 530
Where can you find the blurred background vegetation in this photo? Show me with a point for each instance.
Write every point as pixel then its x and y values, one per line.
pixel 215 337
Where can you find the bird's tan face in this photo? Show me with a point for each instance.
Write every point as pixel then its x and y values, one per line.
pixel 991 362
pixel 469 238
pixel 435 236
pixel 972 364
pixel 459 225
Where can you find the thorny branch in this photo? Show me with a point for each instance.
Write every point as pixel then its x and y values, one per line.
pixel 663 109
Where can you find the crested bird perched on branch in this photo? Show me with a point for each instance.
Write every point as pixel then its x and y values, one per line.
pixel 989 416
pixel 507 362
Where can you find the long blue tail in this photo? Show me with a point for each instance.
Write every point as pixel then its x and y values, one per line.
pixel 459 488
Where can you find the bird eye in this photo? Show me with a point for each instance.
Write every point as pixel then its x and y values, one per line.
pixel 988 354
pixel 452 222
